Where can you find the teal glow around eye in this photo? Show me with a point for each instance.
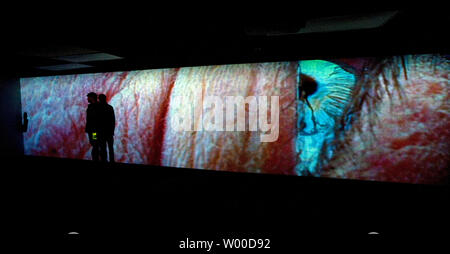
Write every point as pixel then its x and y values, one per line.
pixel 325 89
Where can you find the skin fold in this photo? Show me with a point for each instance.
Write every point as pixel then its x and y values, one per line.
pixel 238 150
pixel 398 130
pixel 401 133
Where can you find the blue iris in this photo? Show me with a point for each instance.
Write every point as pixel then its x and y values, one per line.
pixel 325 89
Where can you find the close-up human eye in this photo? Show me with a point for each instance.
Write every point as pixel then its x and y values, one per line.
pixel 325 90
pixel 352 118
pixel 197 133
pixel 393 126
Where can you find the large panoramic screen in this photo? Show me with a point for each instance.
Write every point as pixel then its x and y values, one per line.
pixel 381 119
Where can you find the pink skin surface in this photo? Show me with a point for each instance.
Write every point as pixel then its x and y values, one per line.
pixel 141 99
pixel 408 141
pixel 409 137
pixel 234 151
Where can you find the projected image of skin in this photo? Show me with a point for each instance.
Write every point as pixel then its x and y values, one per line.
pixel 382 119
pixel 144 108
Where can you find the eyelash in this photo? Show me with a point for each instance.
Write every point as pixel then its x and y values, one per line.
pixel 366 93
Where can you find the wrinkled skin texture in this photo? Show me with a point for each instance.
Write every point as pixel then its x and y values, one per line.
pixel 401 136
pixel 141 100
pixel 235 151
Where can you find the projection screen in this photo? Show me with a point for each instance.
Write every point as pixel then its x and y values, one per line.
pixel 381 119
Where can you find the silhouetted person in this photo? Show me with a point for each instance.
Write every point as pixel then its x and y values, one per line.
pixel 25 122
pixel 107 124
pixel 92 124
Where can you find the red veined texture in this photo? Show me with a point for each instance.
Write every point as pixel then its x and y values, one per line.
pixel 142 102
pixel 408 140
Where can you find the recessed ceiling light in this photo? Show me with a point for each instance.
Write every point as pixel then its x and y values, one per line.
pixel 342 23
pixel 63 67
pixel 49 51
pixel 346 23
pixel 87 57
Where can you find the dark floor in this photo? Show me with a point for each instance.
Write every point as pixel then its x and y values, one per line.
pixel 47 198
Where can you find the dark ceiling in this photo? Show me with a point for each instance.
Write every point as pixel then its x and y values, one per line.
pixel 143 40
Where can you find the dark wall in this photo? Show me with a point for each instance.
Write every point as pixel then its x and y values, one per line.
pixel 10 117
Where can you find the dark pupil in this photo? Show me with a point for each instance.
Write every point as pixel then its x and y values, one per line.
pixel 308 85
